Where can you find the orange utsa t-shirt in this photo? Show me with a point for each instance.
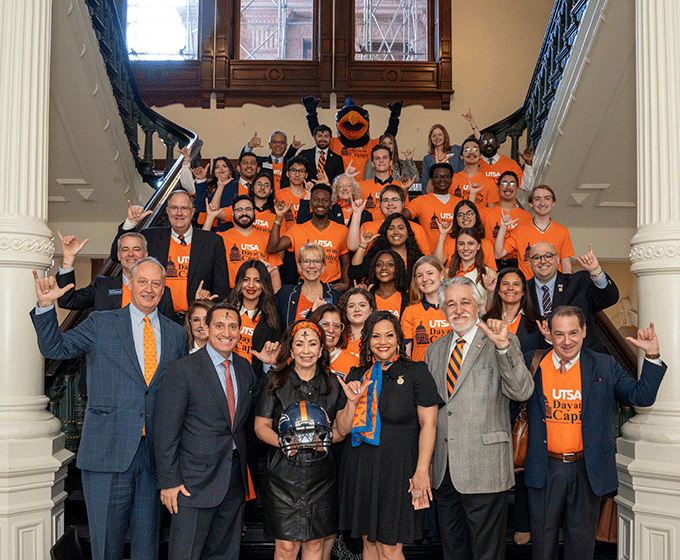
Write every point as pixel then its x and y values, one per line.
pixel 429 208
pixel 523 238
pixel 503 164
pixel 491 219
pixel 460 187
pixel 176 272
pixel 287 196
pixel 563 406
pixel 418 233
pixel 392 304
pixel 245 339
pixel 333 239
pixel 487 247
pixel 423 326
pixel 370 192
pixel 241 248
pixel 343 361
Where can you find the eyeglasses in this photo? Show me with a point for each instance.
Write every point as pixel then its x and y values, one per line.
pixel 538 258
pixel 508 184
pixel 467 214
pixel 261 184
pixel 487 141
pixel 335 326
pixel 244 210
pixel 471 149
pixel 297 171
pixel 395 199
pixel 279 142
pixel 311 261
pixel 180 208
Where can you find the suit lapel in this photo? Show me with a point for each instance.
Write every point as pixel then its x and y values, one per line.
pixel 124 330
pixel 442 358
pixel 587 378
pixel 241 375
pixel 478 343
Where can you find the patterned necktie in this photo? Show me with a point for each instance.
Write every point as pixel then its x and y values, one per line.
pixel 454 365
pixel 563 366
pixel 231 400
pixel 150 360
pixel 322 162
pixel 547 301
pixel 181 240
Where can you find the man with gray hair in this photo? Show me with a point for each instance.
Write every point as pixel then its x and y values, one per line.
pixel 478 368
pixel 105 292
pixel 277 160
pixel 127 351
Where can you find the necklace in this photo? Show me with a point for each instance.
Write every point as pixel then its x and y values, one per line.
pixel 538 228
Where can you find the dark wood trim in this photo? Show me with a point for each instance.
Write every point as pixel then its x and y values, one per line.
pixel 236 82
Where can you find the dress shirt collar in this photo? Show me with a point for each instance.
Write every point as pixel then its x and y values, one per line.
pixel 427 305
pixel 277 160
pixel 217 358
pixel 387 181
pixel 137 316
pixel 493 160
pixel 568 365
pixel 296 381
pixel 126 280
pixel 187 236
pixel 550 284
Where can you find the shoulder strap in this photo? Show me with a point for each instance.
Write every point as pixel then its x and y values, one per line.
pixel 538 354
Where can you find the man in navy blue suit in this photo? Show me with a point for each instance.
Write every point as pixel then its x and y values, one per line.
pixel 204 403
pixel 126 350
pixel 570 461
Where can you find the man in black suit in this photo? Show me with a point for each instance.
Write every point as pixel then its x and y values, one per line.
pixel 203 405
pixel 104 292
pixel 277 160
pixel 591 289
pixel 331 163
pixel 201 274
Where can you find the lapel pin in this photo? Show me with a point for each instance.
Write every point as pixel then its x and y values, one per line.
pixel 400 380
pixel 559 287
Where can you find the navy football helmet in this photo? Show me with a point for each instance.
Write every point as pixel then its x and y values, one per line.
pixel 305 432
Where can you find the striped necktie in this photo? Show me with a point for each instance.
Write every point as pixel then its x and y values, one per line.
pixel 546 301
pixel 454 366
pixel 182 241
pixel 322 162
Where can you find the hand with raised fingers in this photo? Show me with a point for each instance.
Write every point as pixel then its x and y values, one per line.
pixel 528 155
pixel 255 141
pixel 201 173
pixel 47 290
pixel 353 389
pixel 408 154
pixel 444 226
pixel 269 353
pixel 281 208
pixel 204 294
pixel 136 214
pixel 368 237
pixel 589 260
pixel 646 340
pixel 358 205
pixel 351 170
pixel 297 144
pixel 70 247
pixel 497 331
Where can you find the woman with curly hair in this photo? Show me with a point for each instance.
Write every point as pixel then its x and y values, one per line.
pixel 423 322
pixel 253 296
pixel 357 304
pixel 220 189
pixel 194 323
pixel 300 497
pixel 394 234
pixel 344 189
pixel 388 282
pixel 385 482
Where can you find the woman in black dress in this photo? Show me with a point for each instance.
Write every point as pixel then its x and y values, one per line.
pixel 385 482
pixel 300 499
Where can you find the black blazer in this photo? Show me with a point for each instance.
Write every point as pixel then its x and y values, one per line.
pixel 578 289
pixel 288 296
pixel 207 259
pixel 194 435
pixel 103 294
pixel 263 333
pixel 334 164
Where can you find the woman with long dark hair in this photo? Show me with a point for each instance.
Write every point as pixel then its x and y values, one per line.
pixel 394 234
pixel 219 189
pixel 300 497
pixel 357 304
pixel 388 282
pixel 194 323
pixel 253 296
pixel 385 483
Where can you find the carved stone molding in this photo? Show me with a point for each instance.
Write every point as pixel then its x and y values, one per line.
pixel 25 249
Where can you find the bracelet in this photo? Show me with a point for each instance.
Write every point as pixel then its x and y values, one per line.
pixel 277 222
pixel 652 356
pixel 503 349
pixel 596 274
pixel 362 247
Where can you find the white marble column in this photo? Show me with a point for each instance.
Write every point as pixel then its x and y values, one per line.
pixel 32 455
pixel 649 450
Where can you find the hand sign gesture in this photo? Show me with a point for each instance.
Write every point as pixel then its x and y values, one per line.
pixel 136 213
pixel 47 290
pixel 353 389
pixel 646 340
pixel 497 331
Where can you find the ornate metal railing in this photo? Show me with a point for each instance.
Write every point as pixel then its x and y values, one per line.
pixel 62 378
pixel 531 116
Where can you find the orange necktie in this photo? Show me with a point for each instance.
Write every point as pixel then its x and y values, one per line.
pixel 454 365
pixel 150 360
pixel 322 162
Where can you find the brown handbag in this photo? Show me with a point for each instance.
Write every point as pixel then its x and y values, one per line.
pixel 520 425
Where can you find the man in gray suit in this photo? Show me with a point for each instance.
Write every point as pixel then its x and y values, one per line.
pixel 478 368
pixel 127 351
